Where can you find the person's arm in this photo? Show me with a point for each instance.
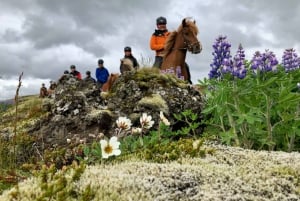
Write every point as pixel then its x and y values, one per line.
pixel 97 75
pixel 135 63
pixel 79 75
pixel 107 75
pixel 121 63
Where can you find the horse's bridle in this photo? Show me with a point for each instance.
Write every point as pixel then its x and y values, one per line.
pixel 188 45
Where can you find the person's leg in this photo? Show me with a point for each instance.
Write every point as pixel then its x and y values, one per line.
pixel 99 85
pixel 158 61
pixel 188 73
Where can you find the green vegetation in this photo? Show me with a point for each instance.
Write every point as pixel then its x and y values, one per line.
pixel 258 112
pixel 26 159
pixel 261 111
pixel 4 107
pixel 18 149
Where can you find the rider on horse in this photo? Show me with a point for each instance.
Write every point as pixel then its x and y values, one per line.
pixel 157 43
pixel 158 39
pixel 128 55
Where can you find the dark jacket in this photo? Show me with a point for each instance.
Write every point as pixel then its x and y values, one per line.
pixel 89 79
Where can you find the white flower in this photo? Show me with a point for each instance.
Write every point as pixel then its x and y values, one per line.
pixel 68 140
pixel 145 121
pixel 298 84
pixel 196 144
pixel 136 130
pixel 123 123
pixel 110 148
pixel 164 119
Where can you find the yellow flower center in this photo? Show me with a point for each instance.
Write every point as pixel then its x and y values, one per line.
pixel 108 149
pixel 123 125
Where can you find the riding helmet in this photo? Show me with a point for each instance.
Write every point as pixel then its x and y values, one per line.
pixel 127 49
pixel 161 20
pixel 100 61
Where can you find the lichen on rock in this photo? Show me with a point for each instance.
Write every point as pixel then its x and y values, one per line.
pixel 78 107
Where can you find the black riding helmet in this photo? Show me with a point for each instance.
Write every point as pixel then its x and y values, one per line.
pixel 127 49
pixel 100 61
pixel 161 20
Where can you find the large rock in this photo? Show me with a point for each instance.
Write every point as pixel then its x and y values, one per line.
pixel 147 90
pixel 78 108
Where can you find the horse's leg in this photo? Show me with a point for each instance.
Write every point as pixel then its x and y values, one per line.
pixel 188 73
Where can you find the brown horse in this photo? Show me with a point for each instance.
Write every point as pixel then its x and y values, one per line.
pixel 126 65
pixel 111 79
pixel 176 46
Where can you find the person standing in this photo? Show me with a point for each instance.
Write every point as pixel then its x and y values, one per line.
pixel 88 77
pixel 158 39
pixel 74 72
pixel 102 74
pixel 52 88
pixel 43 91
pixel 128 54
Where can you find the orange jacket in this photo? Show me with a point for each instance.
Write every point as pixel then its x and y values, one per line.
pixel 157 41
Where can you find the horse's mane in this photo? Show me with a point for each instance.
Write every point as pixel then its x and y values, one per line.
pixel 171 38
pixel 189 23
pixel 170 43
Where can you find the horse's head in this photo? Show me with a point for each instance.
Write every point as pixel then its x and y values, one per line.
pixel 189 32
pixel 126 65
pixel 177 44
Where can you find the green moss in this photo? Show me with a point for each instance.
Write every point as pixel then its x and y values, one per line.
pixel 88 193
pixel 286 171
pixel 293 174
pixel 154 101
pixel 147 77
pixel 78 171
pixel 173 150
pixel 29 112
pixel 96 114
pixel 4 186
pixel 60 184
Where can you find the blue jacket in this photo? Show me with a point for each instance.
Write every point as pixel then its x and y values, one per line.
pixel 102 75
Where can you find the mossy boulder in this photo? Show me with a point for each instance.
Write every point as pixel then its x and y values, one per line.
pixel 149 91
pixel 78 108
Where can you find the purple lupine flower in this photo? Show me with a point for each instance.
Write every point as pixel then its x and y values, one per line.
pixel 290 60
pixel 221 52
pixel 227 66
pixel 256 61
pixel 264 62
pixel 239 69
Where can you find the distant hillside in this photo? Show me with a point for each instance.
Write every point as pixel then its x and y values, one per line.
pixel 7 102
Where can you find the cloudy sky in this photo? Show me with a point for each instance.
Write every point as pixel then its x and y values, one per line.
pixel 42 38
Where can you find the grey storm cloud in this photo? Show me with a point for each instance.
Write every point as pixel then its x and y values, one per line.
pixel 43 37
pixel 84 24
